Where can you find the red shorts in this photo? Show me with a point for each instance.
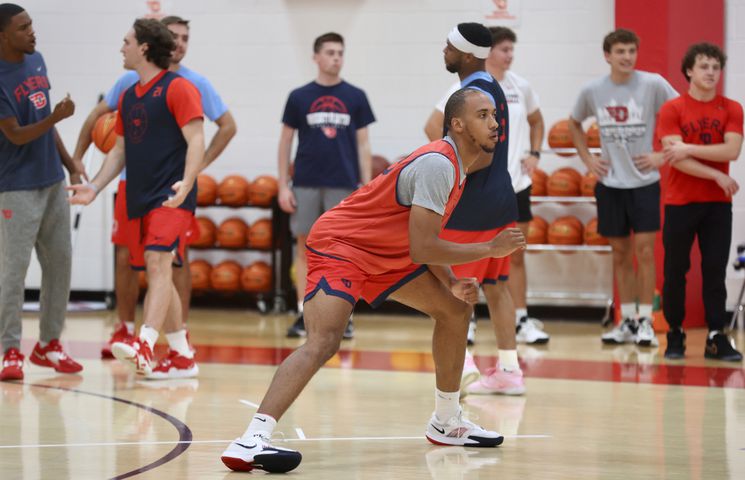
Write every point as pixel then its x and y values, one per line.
pixel 192 234
pixel 122 223
pixel 164 230
pixel 486 270
pixel 343 279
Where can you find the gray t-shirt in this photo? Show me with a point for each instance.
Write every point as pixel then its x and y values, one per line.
pixel 428 180
pixel 626 116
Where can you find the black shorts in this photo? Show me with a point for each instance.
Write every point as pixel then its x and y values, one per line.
pixel 623 210
pixel 523 205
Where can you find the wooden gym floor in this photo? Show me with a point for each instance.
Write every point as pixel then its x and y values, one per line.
pixel 589 413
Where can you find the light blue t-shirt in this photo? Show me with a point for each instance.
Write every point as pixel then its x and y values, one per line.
pixel 212 104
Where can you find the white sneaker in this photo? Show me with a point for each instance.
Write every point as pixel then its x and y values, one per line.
pixel 645 336
pixel 470 373
pixel 530 330
pixel 459 431
pixel 471 337
pixel 244 456
pixel 624 332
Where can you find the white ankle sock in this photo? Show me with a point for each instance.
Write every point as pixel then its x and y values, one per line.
pixel 508 360
pixel 446 404
pixel 520 313
pixel 261 424
pixel 148 335
pixel 300 307
pixel 628 310
pixel 130 327
pixel 177 341
pixel 645 310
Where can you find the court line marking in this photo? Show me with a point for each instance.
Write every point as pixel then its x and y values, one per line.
pixel 300 433
pixel 250 404
pixel 171 442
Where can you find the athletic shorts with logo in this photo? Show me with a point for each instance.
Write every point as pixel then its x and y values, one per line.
pixel 486 270
pixel 163 229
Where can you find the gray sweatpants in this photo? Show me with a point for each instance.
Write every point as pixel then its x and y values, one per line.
pixel 34 218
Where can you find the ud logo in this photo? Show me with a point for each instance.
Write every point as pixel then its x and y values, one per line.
pixel 38 99
pixel 8 214
pixel 346 283
pixel 620 113
pixel 157 91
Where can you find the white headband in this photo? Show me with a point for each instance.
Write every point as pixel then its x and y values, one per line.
pixel 457 40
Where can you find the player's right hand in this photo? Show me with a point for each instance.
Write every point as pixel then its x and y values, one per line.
pixel 64 109
pixel 598 165
pixel 507 241
pixel 466 289
pixel 287 201
pixel 82 194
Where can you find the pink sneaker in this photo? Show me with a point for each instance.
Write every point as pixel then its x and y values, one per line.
pixel 497 381
pixel 135 353
pixel 121 334
pixel 174 366
pixel 470 373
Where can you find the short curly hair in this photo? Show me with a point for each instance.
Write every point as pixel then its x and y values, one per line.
pixel 158 38
pixel 707 50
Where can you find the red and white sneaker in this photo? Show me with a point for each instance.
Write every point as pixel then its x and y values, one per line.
pixel 174 365
pixel 135 353
pixel 53 356
pixel 12 365
pixel 121 334
pixel 500 382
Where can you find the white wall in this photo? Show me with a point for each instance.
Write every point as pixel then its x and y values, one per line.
pixel 256 51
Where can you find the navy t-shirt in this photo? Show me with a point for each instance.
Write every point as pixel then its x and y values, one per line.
pixel 24 94
pixel 488 199
pixel 327 120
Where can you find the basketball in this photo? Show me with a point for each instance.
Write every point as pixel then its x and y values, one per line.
pixel 226 276
pixel 200 274
pixel 593 136
pixel 379 164
pixel 539 179
pixel 565 231
pixel 560 137
pixel 260 234
pixel 592 237
pixel 206 190
pixel 564 182
pixel 142 280
pixel 257 277
pixel 263 190
pixel 232 233
pixel 207 231
pixel 587 185
pixel 104 136
pixel 233 191
pixel 537 231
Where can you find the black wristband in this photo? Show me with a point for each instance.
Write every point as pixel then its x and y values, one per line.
pixel 535 153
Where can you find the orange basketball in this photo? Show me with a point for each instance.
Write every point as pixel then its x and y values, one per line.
pixel 564 182
pixel 539 179
pixel 565 231
pixel 260 234
pixel 257 277
pixel 104 136
pixel 206 190
pixel 207 232
pixel 537 230
pixel 592 237
pixel 200 274
pixel 379 164
pixel 587 185
pixel 560 137
pixel 233 191
pixel 226 276
pixel 263 190
pixel 142 280
pixel 593 136
pixel 232 233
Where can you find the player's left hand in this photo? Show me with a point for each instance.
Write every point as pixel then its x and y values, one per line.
pixel 529 164
pixel 675 152
pixel 182 190
pixel 466 289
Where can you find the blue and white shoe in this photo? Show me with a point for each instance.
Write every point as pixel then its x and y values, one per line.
pixel 244 456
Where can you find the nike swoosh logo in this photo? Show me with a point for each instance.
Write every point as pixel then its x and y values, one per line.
pixel 442 431
pixel 260 419
pixel 248 447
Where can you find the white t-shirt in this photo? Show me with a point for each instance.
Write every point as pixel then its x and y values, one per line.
pixel 521 102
